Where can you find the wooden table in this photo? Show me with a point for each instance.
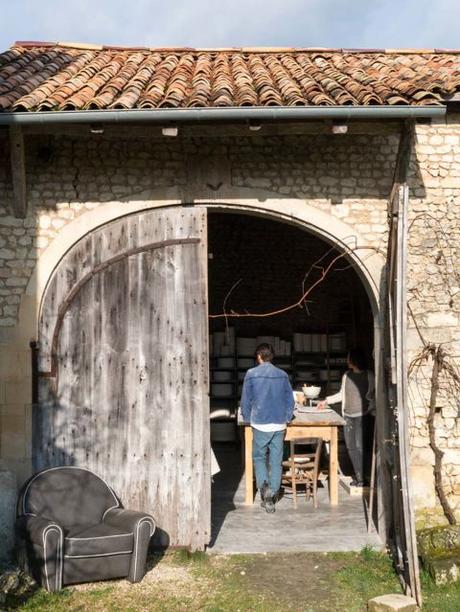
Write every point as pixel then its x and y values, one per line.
pixel 306 425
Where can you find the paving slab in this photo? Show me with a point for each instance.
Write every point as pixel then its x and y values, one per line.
pixel 239 528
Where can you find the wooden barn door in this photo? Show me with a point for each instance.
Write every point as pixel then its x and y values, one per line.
pixel 397 452
pixel 123 367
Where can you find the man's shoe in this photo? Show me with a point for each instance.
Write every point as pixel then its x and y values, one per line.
pixel 263 493
pixel 270 505
pixel 269 501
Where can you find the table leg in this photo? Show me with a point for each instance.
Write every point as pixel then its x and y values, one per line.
pixel 333 468
pixel 248 466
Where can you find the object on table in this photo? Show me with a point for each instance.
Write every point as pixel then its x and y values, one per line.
pixel 299 397
pixel 311 391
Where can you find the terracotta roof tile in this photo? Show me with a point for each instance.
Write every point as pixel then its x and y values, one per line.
pixel 38 76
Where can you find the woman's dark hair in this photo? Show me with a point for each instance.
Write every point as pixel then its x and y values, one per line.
pixel 265 352
pixel 357 357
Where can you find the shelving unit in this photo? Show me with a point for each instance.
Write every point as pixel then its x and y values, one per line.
pixel 323 368
pixel 319 369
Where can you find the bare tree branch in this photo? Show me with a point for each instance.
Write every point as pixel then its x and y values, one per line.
pixel 324 271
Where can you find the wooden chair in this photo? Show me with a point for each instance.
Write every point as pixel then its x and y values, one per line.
pixel 302 468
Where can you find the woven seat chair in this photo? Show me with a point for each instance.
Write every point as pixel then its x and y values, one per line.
pixel 302 468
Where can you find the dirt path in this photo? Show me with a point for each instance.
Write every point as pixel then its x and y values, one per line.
pixel 301 582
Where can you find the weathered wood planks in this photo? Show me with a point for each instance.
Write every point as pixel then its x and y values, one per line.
pixel 128 396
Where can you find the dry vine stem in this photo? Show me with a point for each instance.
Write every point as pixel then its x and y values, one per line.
pixel 445 375
pixel 441 364
pixel 306 292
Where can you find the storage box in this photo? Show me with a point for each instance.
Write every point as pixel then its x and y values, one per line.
pixel 245 362
pixel 222 376
pixel 223 431
pixel 222 390
pixel 225 362
pixel 246 346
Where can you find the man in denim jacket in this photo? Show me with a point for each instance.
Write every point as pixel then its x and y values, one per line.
pixel 267 402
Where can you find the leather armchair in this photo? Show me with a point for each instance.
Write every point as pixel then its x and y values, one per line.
pixel 71 528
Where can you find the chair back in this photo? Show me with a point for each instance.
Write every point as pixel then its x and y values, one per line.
pixel 315 455
pixel 68 495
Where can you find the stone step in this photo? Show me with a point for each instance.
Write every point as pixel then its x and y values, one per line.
pixel 438 539
pixel 393 602
pixel 443 567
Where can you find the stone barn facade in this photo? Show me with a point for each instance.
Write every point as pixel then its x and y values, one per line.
pixel 97 144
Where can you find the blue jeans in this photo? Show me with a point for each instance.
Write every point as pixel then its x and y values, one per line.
pixel 271 472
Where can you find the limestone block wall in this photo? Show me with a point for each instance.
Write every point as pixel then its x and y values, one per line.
pixel 347 176
pixel 434 300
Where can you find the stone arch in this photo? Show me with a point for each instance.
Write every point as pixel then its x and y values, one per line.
pixel 367 262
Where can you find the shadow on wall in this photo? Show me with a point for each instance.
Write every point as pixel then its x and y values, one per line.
pixel 65 434
pixel 99 168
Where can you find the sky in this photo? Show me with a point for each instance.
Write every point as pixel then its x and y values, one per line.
pixel 235 23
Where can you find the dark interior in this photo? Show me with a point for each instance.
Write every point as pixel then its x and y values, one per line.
pixel 272 263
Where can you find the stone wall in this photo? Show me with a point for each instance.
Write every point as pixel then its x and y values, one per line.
pixel 434 299
pixel 346 176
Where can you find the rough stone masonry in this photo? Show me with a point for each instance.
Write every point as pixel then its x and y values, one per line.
pixel 348 177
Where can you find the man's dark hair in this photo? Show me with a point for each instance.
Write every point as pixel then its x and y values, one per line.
pixel 265 352
pixel 357 357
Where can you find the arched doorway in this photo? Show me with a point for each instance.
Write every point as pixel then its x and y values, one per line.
pixel 121 258
pixel 258 267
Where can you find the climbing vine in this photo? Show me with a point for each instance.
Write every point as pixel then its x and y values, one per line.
pixel 434 365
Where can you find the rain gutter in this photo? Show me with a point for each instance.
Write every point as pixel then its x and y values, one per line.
pixel 271 114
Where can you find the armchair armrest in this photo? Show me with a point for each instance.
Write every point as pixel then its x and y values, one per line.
pixel 128 519
pixel 142 526
pixel 43 541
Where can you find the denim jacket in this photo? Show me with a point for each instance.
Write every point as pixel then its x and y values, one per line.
pixel 267 396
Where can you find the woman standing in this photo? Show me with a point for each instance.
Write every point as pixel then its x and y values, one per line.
pixel 357 395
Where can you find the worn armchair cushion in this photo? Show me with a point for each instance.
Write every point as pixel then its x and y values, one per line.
pixel 97 540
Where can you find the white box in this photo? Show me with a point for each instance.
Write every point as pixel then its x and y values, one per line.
pixel 222 390
pixel 298 342
pixel 246 346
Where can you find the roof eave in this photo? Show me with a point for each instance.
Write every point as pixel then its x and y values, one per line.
pixel 271 114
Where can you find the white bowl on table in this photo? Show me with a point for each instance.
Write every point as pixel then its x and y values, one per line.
pixel 311 392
